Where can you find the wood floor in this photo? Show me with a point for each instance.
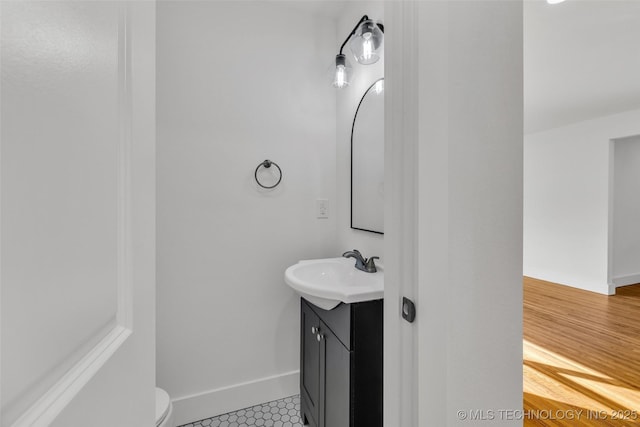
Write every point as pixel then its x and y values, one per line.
pixel 581 356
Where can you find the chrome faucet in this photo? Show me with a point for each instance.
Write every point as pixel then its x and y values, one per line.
pixel 362 264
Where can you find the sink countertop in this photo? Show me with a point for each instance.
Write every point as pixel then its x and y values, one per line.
pixel 329 281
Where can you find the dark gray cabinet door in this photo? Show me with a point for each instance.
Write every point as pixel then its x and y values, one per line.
pixel 335 366
pixel 341 365
pixel 310 364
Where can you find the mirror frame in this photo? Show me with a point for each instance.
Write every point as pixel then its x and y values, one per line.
pixel 353 125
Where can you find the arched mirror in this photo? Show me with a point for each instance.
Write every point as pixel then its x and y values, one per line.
pixel 367 161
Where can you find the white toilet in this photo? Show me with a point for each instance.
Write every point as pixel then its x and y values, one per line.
pixel 164 409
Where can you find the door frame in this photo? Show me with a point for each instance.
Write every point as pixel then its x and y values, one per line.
pixel 400 212
pixel 443 241
pixel 612 280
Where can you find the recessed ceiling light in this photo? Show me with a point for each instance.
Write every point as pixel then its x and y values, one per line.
pixel 554 1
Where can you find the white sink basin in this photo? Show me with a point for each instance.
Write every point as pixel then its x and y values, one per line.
pixel 330 281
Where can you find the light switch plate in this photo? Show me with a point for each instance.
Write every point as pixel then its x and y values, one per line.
pixel 322 208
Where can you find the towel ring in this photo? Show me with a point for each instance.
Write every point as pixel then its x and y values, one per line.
pixel 267 164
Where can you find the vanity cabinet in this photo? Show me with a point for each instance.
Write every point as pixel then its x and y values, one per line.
pixel 341 365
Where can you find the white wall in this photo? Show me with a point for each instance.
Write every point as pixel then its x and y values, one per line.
pixel 347 102
pixel 566 201
pixel 625 267
pixel 238 83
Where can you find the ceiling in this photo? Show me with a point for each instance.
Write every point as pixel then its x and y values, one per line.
pixel 581 60
pixel 331 9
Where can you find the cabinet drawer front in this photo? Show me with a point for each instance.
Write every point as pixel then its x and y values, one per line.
pixel 338 320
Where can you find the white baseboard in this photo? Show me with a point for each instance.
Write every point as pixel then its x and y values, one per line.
pixel 630 279
pixel 238 396
pixel 573 282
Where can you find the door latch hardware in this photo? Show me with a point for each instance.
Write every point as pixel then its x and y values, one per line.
pixel 408 310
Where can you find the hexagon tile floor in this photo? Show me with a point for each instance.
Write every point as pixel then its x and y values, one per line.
pixel 279 413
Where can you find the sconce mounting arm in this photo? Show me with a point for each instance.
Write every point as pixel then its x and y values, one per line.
pixel 364 18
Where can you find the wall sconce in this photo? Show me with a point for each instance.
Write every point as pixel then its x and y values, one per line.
pixel 366 39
